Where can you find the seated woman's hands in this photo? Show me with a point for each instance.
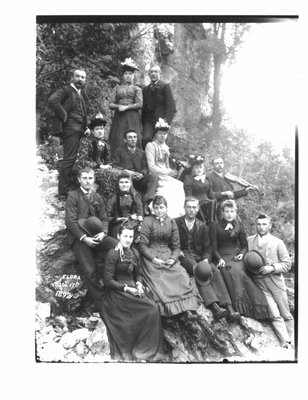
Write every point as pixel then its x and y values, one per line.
pixel 132 291
pixel 221 263
pixel 158 261
pixel 136 291
pixel 239 257
pixel 140 289
pixel 170 262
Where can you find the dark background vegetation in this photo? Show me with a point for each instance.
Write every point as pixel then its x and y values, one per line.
pixel 99 48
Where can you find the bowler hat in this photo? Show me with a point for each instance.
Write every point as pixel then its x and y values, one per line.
pixel 98 120
pixel 203 273
pixel 253 261
pixel 92 225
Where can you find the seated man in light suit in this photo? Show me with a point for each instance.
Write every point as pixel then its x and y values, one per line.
pixel 270 279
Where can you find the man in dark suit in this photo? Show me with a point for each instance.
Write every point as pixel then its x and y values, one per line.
pixel 70 122
pixel 195 248
pixel 133 160
pixel 80 205
pixel 158 103
pixel 222 188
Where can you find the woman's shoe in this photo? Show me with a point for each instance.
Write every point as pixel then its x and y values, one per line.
pixel 188 316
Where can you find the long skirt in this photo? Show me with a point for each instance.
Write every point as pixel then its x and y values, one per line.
pixel 133 326
pixel 121 122
pixel 246 296
pixel 171 288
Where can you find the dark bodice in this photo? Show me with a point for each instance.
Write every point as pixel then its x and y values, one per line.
pixel 119 272
pixel 202 191
pixel 228 242
pixel 157 236
pixel 121 205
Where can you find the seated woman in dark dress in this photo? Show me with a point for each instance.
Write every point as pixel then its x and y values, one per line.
pixel 94 152
pixel 172 289
pixel 229 246
pixel 131 317
pixel 196 184
pixel 125 203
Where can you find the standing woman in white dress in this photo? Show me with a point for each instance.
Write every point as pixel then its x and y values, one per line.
pixel 157 153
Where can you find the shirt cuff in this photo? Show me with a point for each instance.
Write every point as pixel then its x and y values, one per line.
pixel 83 236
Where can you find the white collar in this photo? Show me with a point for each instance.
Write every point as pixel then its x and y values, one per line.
pixel 219 174
pixel 84 191
pixel 77 90
pixel 189 224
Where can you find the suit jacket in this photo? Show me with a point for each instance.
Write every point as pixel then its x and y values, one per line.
pixel 124 159
pixel 220 184
pixel 62 102
pixel 79 206
pixel 200 239
pixel 158 102
pixel 274 251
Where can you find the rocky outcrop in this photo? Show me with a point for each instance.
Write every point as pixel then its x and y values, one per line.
pixel 67 330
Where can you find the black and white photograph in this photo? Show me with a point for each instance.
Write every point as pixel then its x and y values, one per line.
pixel 166 172
pixel 154 200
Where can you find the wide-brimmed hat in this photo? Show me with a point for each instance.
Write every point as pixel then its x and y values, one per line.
pixel 91 225
pixel 203 273
pixel 98 120
pixel 253 261
pixel 129 65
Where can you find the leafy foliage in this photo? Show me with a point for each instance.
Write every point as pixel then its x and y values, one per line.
pixel 62 47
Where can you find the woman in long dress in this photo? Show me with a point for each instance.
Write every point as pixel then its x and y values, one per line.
pixel 127 103
pixel 172 289
pixel 229 246
pixel 157 154
pixel 131 317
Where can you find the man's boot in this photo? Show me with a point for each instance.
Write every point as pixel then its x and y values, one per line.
pixel 233 316
pixel 218 312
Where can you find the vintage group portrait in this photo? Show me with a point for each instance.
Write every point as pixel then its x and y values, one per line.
pixel 166 159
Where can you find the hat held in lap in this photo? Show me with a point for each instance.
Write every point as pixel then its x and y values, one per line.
pixel 203 273
pixel 253 261
pixel 92 225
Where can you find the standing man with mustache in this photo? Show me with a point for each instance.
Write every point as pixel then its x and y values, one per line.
pixel 70 122
pixel 158 102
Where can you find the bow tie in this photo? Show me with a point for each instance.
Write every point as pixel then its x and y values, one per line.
pixel 200 178
pixel 228 226
pixel 100 143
